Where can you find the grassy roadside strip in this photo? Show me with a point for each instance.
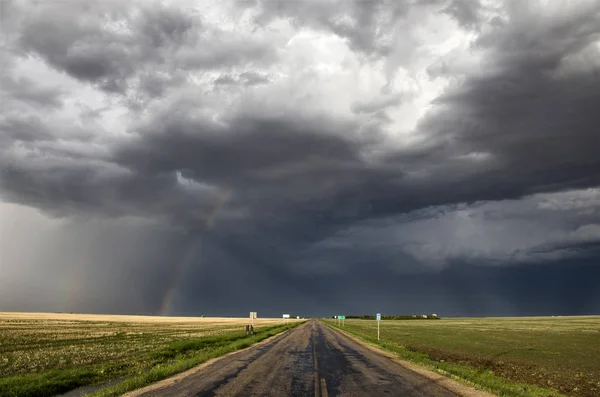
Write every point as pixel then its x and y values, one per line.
pixel 163 371
pixel 155 364
pixel 480 378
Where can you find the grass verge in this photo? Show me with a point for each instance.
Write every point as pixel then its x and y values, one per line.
pixel 478 377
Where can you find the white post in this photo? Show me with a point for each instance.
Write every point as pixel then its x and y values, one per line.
pixel 377 329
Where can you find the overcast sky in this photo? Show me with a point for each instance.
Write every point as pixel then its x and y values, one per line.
pixel 313 157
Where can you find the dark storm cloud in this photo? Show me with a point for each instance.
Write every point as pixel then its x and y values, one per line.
pixel 154 85
pixel 376 105
pixel 247 151
pixel 225 80
pixel 533 132
pixel 272 194
pixel 229 52
pixel 87 50
pixel 263 162
pixel 23 129
pixel 530 118
pixel 246 79
pixel 363 23
pixel 253 78
pixel 368 26
pixel 25 90
pixel 531 114
pixel 551 288
pixel 534 126
pixel 142 42
pixel 100 188
pixel 466 12
pixel 27 128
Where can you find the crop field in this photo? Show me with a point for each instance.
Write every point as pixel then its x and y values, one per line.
pixel 559 354
pixel 49 354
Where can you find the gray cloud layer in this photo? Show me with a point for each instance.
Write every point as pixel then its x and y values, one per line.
pixel 213 144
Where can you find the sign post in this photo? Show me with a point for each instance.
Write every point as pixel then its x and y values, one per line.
pixel 378 320
pixel 342 318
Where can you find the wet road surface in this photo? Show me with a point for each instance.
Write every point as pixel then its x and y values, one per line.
pixel 309 360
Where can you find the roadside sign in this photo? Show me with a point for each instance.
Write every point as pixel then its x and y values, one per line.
pixel 378 320
pixel 378 316
pixel 342 317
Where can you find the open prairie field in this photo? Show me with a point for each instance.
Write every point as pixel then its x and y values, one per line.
pixel 135 319
pixel 52 353
pixel 557 353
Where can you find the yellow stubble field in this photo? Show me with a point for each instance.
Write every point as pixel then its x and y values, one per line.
pixel 62 351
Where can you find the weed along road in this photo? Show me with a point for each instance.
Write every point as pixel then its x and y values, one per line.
pixel 309 360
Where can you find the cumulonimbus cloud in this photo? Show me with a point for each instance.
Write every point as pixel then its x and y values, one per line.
pixel 170 113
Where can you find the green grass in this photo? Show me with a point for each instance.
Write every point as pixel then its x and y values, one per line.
pixel 529 356
pixel 46 358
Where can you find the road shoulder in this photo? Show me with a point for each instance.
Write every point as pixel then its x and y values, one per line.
pixel 439 379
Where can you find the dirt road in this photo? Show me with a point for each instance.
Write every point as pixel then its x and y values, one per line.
pixel 310 360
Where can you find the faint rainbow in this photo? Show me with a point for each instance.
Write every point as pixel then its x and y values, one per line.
pixel 189 253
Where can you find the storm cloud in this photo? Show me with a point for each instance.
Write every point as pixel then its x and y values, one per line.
pixel 274 145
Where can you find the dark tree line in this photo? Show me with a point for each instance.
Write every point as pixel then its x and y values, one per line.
pixel 405 317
